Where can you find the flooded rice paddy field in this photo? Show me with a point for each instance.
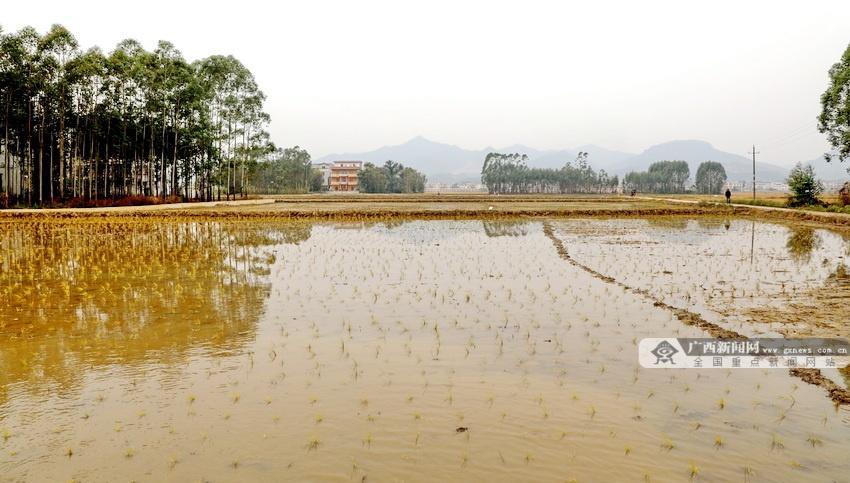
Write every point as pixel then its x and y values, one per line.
pixel 423 350
pixel 758 279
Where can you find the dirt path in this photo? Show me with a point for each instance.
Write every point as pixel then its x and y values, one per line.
pixel 766 212
pixel 825 214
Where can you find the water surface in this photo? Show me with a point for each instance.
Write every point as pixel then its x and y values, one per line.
pixel 426 350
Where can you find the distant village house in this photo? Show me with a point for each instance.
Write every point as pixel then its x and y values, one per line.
pixel 343 175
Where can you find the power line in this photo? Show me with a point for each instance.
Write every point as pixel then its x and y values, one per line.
pixel 793 132
pixel 802 135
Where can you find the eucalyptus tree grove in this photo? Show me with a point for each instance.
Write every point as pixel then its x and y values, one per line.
pixel 89 124
pixel 710 178
pixel 662 177
pixel 509 173
pixel 286 171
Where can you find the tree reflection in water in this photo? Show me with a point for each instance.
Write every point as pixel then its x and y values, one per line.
pixel 80 295
pixel 802 241
pixel 494 228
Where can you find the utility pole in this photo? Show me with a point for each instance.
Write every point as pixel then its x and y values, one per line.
pixel 754 152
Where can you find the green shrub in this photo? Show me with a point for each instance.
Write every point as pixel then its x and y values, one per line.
pixel 805 187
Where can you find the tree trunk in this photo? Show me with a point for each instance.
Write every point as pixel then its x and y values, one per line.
pixel 95 154
pixel 106 157
pixel 61 146
pixel 29 153
pixel 75 158
pixel 50 171
pixel 41 158
pixel 6 176
pixel 174 156
pixel 150 186
pixel 164 180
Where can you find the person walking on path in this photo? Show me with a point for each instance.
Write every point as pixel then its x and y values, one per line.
pixel 728 196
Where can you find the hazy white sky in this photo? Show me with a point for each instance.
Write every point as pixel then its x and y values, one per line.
pixel 355 75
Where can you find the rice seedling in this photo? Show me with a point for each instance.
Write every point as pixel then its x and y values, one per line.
pixel 509 346
pixel 776 443
pixel 693 470
pixel 313 444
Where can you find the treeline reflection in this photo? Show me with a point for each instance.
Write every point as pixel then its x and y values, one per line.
pixel 78 295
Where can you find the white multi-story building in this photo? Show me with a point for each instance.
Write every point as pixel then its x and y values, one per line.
pixel 325 168
pixel 344 175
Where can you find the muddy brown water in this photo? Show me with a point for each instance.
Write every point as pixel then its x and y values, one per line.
pixel 401 351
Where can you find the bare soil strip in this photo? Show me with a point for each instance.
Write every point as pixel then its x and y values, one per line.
pixel 377 214
pixel 432 207
pixel 838 394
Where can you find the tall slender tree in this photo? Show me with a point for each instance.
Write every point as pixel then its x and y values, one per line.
pixel 82 124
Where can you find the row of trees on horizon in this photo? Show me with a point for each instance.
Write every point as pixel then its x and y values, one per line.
pixel 509 173
pixel 91 124
pixel 673 176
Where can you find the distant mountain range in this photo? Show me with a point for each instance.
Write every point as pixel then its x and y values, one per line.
pixel 447 163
